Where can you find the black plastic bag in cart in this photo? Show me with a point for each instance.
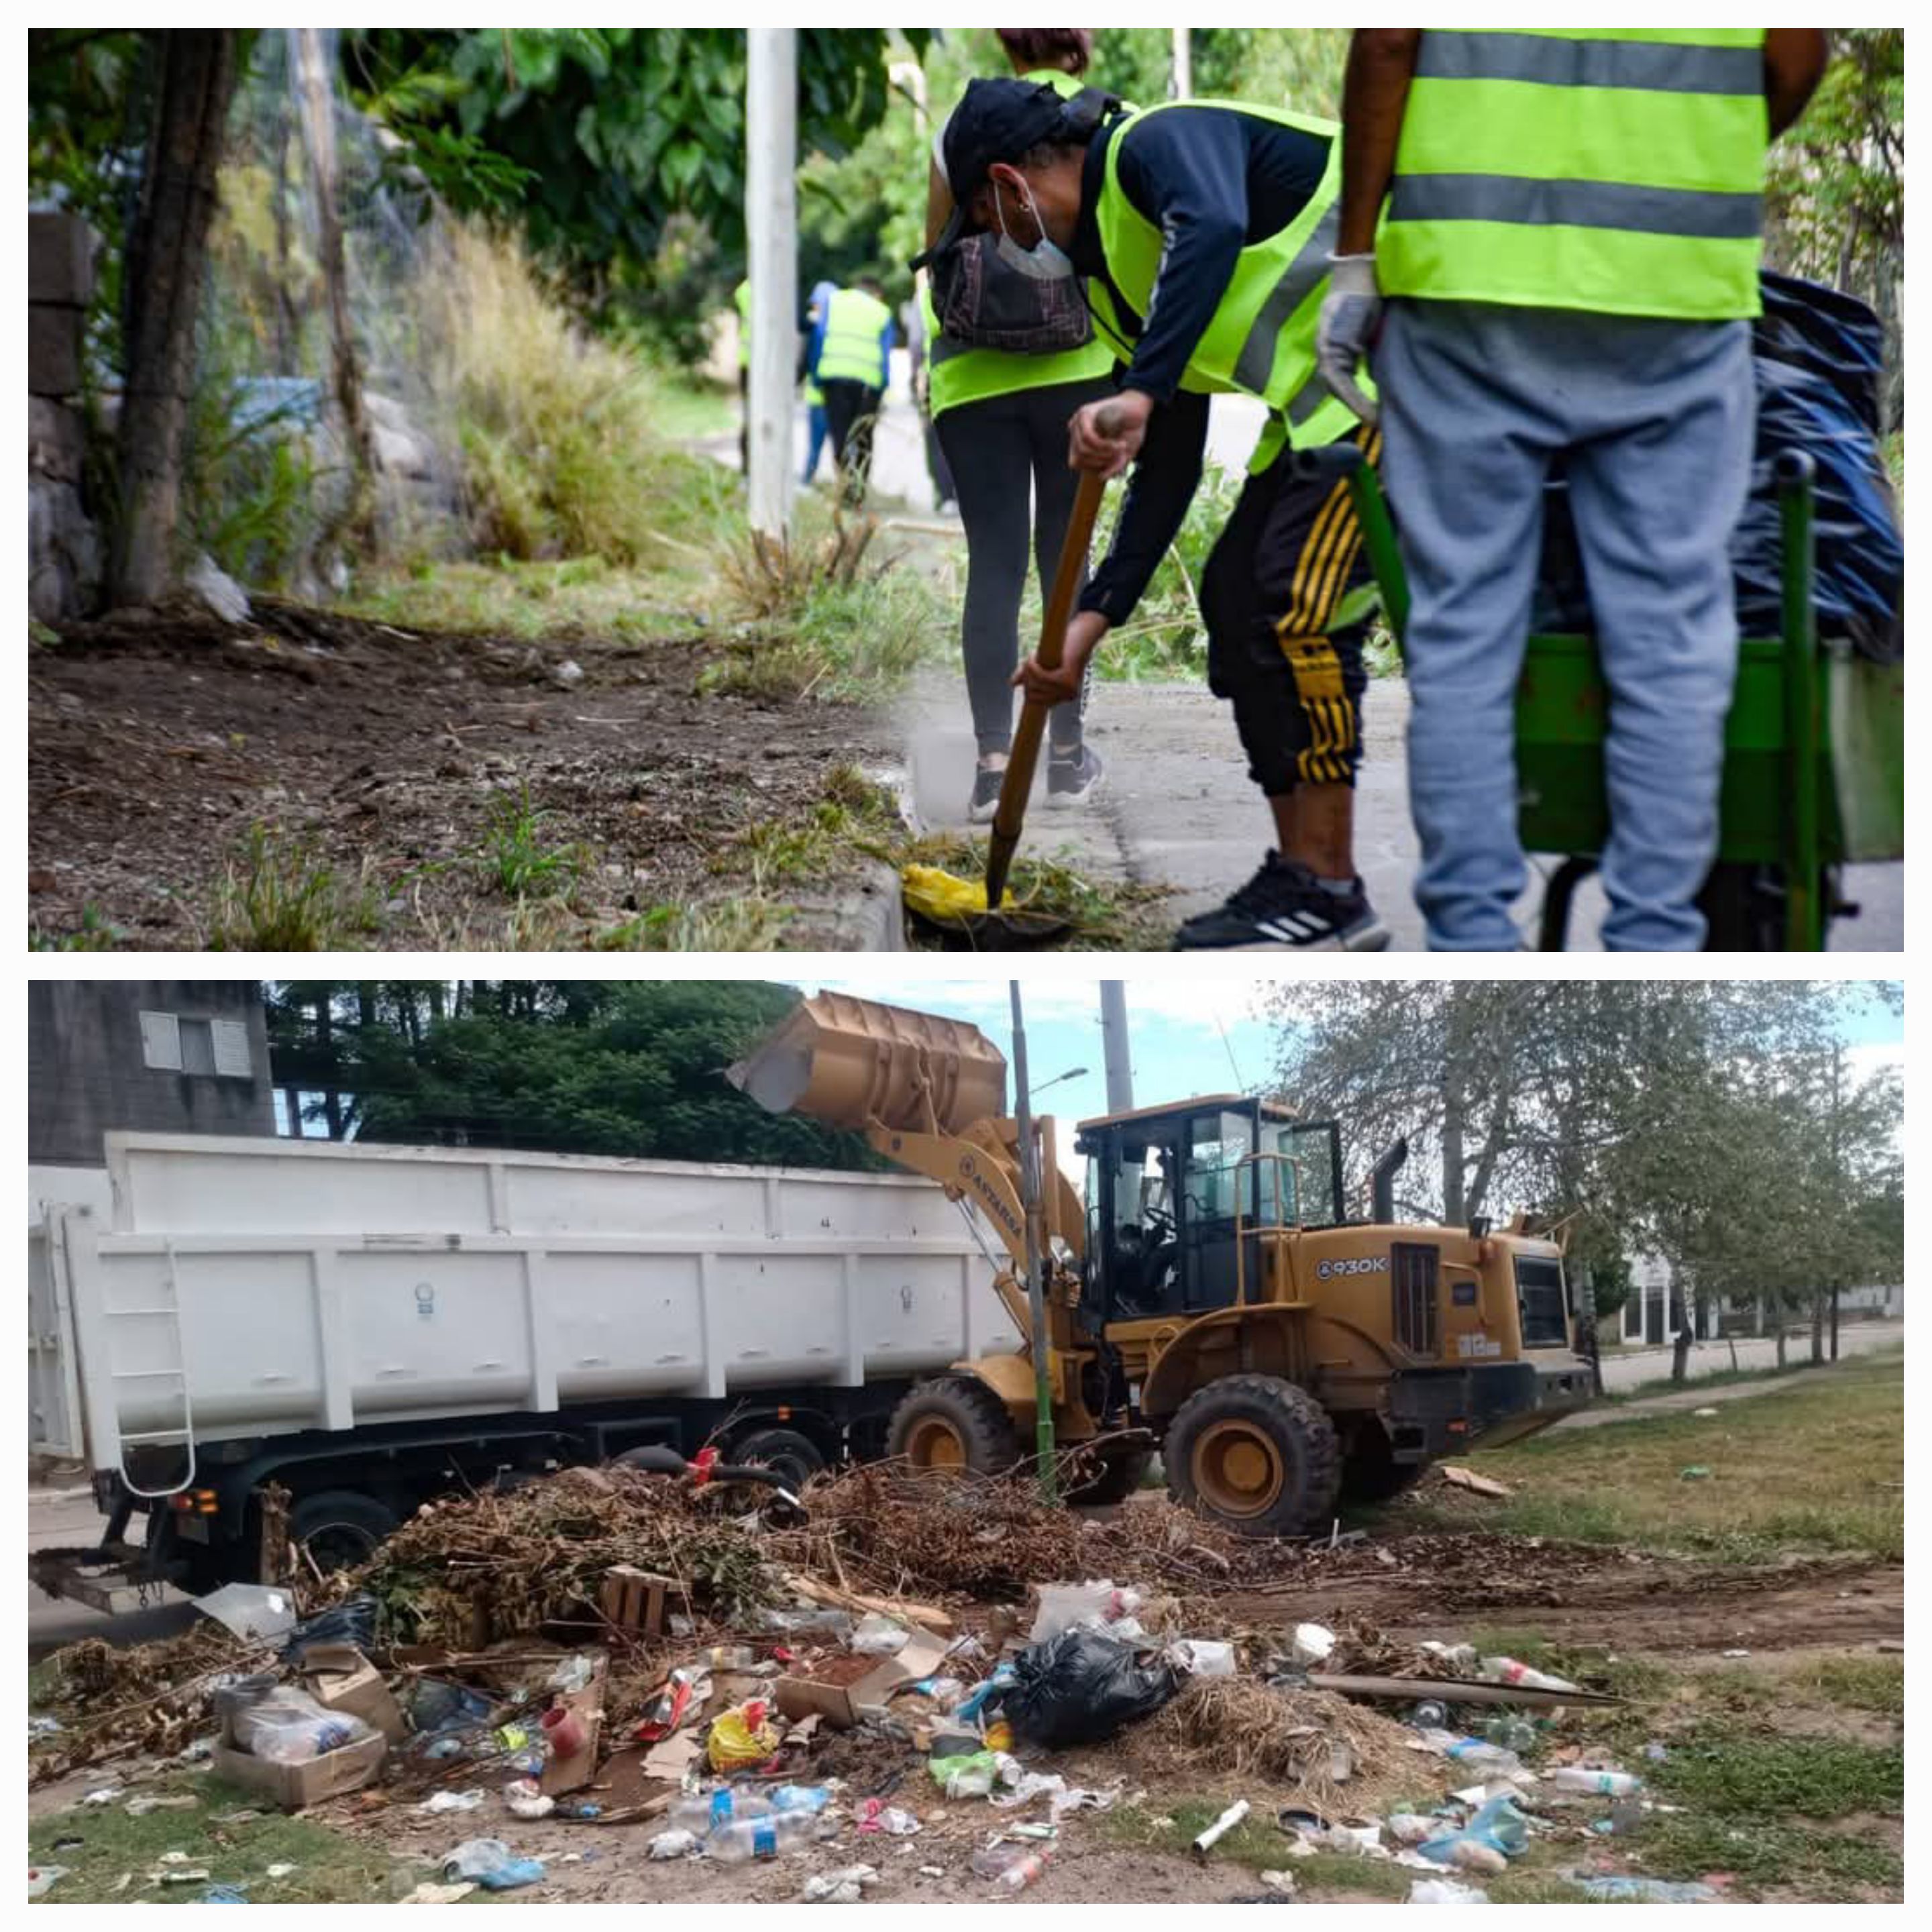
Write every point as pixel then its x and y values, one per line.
pixel 1817 355
pixel 1080 1688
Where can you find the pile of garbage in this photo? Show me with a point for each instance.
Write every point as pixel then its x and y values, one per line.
pixel 605 1648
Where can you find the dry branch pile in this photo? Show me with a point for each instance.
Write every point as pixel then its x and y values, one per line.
pixel 501 1565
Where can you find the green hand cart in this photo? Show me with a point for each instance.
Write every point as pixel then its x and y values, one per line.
pixel 1814 747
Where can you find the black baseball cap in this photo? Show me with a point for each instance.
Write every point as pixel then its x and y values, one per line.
pixel 995 120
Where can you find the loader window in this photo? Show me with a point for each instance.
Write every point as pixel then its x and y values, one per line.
pixel 1216 1186
pixel 1131 1197
pixel 1316 1148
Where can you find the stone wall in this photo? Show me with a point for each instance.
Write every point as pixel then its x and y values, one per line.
pixel 64 560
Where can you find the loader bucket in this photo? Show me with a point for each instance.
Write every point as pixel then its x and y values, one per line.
pixel 858 1063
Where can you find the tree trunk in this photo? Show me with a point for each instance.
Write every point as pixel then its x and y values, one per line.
pixel 1817 1326
pixel 1593 1354
pixel 1680 1338
pixel 1835 1321
pixel 1455 1101
pixel 1780 1338
pixel 163 269
pixel 318 113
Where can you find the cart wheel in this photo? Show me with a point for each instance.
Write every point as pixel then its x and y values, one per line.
pixel 1744 907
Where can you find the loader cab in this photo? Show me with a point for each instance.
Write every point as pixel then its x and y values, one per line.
pixel 1172 1192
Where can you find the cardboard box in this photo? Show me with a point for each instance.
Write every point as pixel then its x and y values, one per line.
pixel 841 1704
pixel 340 1678
pixel 571 1773
pixel 294 1785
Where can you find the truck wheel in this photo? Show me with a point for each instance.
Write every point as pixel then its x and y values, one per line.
pixel 792 1458
pixel 341 1527
pixel 1255 1454
pixel 1116 1475
pixel 952 1423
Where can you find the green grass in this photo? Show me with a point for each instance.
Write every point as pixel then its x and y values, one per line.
pixel 1741 1770
pixel 1807 1469
pixel 688 408
pixel 96 933
pixel 740 924
pixel 527 602
pixel 278 895
pixel 1796 1861
pixel 517 858
pixel 330 1868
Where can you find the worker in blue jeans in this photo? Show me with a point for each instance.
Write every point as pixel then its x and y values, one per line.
pixel 1569 253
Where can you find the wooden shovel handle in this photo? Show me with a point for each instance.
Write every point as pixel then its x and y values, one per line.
pixel 1008 820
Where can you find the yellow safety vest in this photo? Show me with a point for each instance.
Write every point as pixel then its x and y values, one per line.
pixel 1615 169
pixel 1261 341
pixel 851 352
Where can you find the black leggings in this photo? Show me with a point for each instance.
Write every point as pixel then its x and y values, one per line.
pixel 1008 456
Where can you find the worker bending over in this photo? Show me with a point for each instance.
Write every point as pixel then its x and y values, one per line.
pixel 1570 256
pixel 1206 228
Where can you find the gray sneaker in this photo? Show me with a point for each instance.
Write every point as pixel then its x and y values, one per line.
pixel 1071 779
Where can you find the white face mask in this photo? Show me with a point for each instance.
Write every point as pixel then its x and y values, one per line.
pixel 1045 261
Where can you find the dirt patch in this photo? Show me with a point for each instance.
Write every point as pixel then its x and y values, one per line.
pixel 155 745
pixel 1584 1594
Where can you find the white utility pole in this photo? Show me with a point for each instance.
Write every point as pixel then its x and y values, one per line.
pixel 771 230
pixel 1118 1061
pixel 1183 65
pixel 1035 1252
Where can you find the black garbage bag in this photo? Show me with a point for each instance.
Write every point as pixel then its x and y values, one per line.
pixel 1080 1688
pixel 1817 355
pixel 352 1621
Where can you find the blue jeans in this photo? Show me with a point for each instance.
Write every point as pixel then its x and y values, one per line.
pixel 815 417
pixel 1653 420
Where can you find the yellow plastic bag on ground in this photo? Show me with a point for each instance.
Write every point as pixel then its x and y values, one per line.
pixel 741 1738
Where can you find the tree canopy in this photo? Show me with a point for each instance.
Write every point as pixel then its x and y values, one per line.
pixel 1712 1121
pixel 632 1068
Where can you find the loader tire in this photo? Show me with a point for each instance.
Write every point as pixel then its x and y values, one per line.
pixel 1257 1455
pixel 1114 1478
pixel 954 1423
pixel 1375 1479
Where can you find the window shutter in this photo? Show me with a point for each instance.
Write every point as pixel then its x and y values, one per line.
pixel 161 1041
pixel 231 1049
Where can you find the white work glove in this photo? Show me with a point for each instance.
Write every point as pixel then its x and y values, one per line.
pixel 1351 311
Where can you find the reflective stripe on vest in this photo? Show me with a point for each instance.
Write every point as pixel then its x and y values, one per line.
pixel 1261 341
pixel 963 372
pixel 850 353
pixel 1616 170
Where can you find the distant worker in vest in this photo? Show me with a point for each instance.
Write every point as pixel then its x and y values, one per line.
pixel 1228 212
pixel 1000 417
pixel 850 359
pixel 1569 257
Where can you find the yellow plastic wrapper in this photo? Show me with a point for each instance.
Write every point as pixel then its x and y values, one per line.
pixel 939 895
pixel 741 1739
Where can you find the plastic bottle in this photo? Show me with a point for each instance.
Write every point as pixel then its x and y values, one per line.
pixel 1507 1732
pixel 765 1837
pixel 1603 1784
pixel 1487 1760
pixel 706 1811
pixel 1011 1867
pixel 1507 1670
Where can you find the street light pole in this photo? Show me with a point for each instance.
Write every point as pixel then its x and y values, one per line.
pixel 1036 1253
pixel 1118 1054
pixel 771 228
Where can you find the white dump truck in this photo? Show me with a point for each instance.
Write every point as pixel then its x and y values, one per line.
pixel 370 1326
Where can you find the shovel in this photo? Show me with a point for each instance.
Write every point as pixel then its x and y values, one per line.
pixel 957 905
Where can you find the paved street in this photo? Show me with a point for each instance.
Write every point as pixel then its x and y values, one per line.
pixel 1178 809
pixel 1630 1369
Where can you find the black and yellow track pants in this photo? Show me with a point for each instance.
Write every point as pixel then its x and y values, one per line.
pixel 1289 555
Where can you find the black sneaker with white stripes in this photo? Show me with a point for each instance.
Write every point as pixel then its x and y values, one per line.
pixel 1284 907
pixel 1073 775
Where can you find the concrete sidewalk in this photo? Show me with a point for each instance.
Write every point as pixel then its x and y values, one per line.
pixel 1178 809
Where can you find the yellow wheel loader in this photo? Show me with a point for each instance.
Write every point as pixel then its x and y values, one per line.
pixel 1208 1297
